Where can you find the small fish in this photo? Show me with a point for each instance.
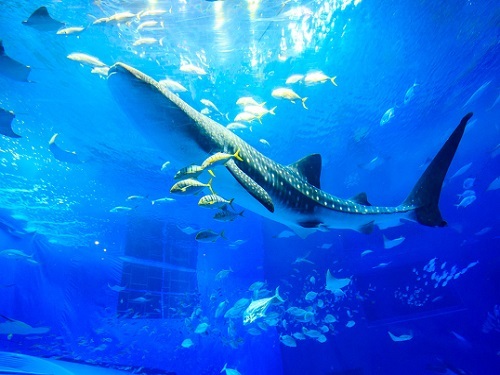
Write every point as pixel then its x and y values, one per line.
pixel 288 340
pixel 257 309
pixel 192 69
pixel 258 110
pixel 410 93
pixel 140 300
pixel 117 17
pixel 350 323
pixel 366 252
pixel 17 255
pixel 222 274
pixel 86 59
pixel 247 100
pixel 165 166
pixel 209 104
pixel 236 126
pixel 466 201
pixel 294 78
pixel 469 183
pixel 172 85
pixel 318 77
pixel 246 117
pixel 136 198
pixel 329 318
pixel 225 215
pixel 310 296
pixel 151 12
pixel 121 209
pixel 321 339
pixel 372 164
pixel 405 337
pixel 303 259
pixel 190 186
pixel 188 230
pixel 238 242
pixel 388 115
pixel 191 171
pixel 146 24
pixel 289 94
pixel 220 158
pixel 256 286
pixel 214 201
pixel 101 70
pixel 494 185
pixel 381 265
pixel 461 171
pixel 145 41
pixel 220 309
pixel 254 331
pixel 117 288
pixel 312 333
pixel 70 30
pixel 162 200
pixel 466 193
pixel 299 336
pixel 187 343
pixel 264 142
pixel 389 244
pixel 483 231
pixel 229 371
pixel 209 236
pixel 201 328
pixel 312 280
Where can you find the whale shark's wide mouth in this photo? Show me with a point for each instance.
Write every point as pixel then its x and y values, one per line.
pixel 155 113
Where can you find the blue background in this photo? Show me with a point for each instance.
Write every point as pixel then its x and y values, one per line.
pixel 377 50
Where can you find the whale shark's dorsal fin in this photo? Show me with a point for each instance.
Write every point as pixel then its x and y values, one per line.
pixel 360 198
pixel 250 185
pixel 309 168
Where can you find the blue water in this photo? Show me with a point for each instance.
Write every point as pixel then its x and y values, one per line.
pixel 122 290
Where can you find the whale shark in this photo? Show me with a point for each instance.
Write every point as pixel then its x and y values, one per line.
pixel 288 194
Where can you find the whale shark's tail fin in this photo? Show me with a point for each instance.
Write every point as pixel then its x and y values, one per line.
pixel 425 194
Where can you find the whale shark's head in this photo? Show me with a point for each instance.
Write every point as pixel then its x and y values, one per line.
pixel 151 109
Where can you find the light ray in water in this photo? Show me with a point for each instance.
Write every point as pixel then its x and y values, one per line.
pixel 157 264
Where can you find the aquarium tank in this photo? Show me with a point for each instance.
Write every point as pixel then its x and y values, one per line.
pixel 249 187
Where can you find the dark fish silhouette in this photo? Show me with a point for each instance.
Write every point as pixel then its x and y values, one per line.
pixel 6 118
pixel 41 20
pixel 11 68
pixel 62 155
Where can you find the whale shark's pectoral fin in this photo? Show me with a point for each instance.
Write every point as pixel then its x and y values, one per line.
pixel 250 185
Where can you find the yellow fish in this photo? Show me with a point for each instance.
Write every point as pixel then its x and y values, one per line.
pixel 220 158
